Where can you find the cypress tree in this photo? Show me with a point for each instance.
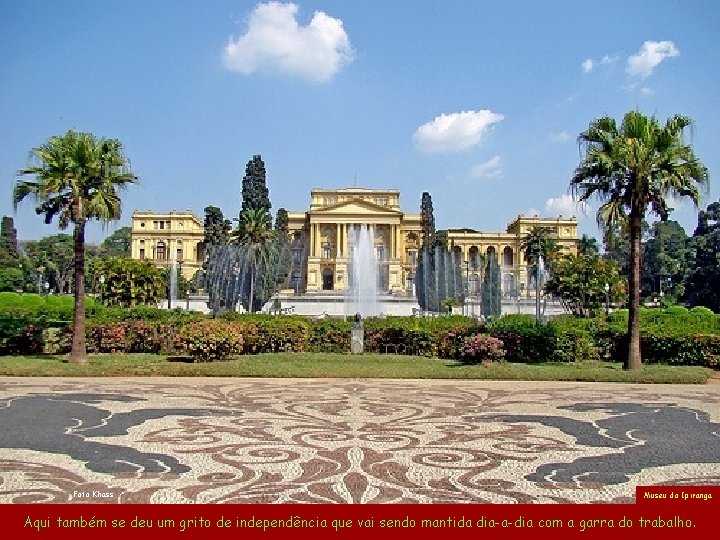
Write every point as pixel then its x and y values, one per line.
pixel 491 301
pixel 255 193
pixel 427 218
pixel 282 221
pixel 217 228
pixel 8 237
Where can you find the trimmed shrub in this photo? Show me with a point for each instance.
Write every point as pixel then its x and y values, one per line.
pixel 268 333
pixel 57 340
pixel 450 343
pixel 524 340
pixel 676 310
pixel 702 311
pixel 576 339
pixel 150 337
pixel 210 340
pixel 482 348
pixel 330 335
pixel 283 334
pixel 399 340
pixel 21 333
pixel 106 338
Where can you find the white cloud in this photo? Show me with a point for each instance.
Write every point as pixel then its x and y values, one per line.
pixel 645 91
pixel 589 64
pixel 559 137
pixel 491 169
pixel 455 131
pixel 607 60
pixel 566 205
pixel 642 63
pixel 275 41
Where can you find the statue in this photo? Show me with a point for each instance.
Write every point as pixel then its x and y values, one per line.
pixel 357 336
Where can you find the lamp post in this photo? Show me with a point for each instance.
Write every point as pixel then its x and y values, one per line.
pixel 607 299
pixel 467 286
pixel 102 283
pixel 537 282
pixel 40 270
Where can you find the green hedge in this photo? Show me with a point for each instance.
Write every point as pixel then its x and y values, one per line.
pixel 524 340
pixel 31 324
pixel 210 339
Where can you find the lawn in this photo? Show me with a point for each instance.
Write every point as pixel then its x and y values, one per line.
pixel 331 365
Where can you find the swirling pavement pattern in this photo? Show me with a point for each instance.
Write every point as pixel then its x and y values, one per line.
pixel 350 441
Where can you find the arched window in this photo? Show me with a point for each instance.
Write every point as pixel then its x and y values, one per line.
pixel 457 253
pixel 508 256
pixel 474 258
pixel 491 252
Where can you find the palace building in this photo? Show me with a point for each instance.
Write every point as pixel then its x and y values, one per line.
pixel 320 240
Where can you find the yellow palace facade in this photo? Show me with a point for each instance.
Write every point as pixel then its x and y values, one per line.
pixel 320 241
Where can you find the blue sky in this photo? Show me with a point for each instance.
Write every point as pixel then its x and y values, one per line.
pixel 479 103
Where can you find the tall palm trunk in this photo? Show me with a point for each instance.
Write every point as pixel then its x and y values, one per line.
pixel 634 359
pixel 78 353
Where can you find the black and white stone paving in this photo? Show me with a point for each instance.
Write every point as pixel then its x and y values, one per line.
pixel 205 440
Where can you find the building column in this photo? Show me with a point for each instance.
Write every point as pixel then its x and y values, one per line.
pixel 343 238
pixel 319 239
pixel 337 241
pixel 311 241
pixel 391 240
pixel 313 233
pixel 397 242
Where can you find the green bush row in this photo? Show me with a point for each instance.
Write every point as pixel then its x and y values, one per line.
pixel 33 324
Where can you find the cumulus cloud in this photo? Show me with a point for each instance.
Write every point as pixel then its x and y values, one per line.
pixel 559 137
pixel 642 63
pixel 491 169
pixel 589 64
pixel 455 131
pixel 276 41
pixel 566 205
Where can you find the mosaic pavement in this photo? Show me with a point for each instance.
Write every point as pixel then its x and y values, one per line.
pixel 350 441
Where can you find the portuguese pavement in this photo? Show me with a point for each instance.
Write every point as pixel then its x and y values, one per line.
pixel 218 440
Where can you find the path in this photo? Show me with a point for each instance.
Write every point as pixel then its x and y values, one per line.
pixel 203 440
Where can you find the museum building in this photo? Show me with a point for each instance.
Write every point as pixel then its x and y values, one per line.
pixel 321 242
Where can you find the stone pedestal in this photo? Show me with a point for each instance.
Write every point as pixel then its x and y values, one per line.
pixel 357 337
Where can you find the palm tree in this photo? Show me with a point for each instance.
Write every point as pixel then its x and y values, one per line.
pixel 538 243
pixel 633 169
pixel 76 178
pixel 588 246
pixel 256 233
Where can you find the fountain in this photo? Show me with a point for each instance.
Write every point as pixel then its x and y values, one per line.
pixel 172 287
pixel 237 273
pixel 362 293
pixel 438 279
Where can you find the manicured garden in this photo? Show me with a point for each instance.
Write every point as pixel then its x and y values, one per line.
pixel 35 336
pixel 335 365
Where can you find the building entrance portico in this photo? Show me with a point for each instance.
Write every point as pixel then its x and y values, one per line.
pixel 331 224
